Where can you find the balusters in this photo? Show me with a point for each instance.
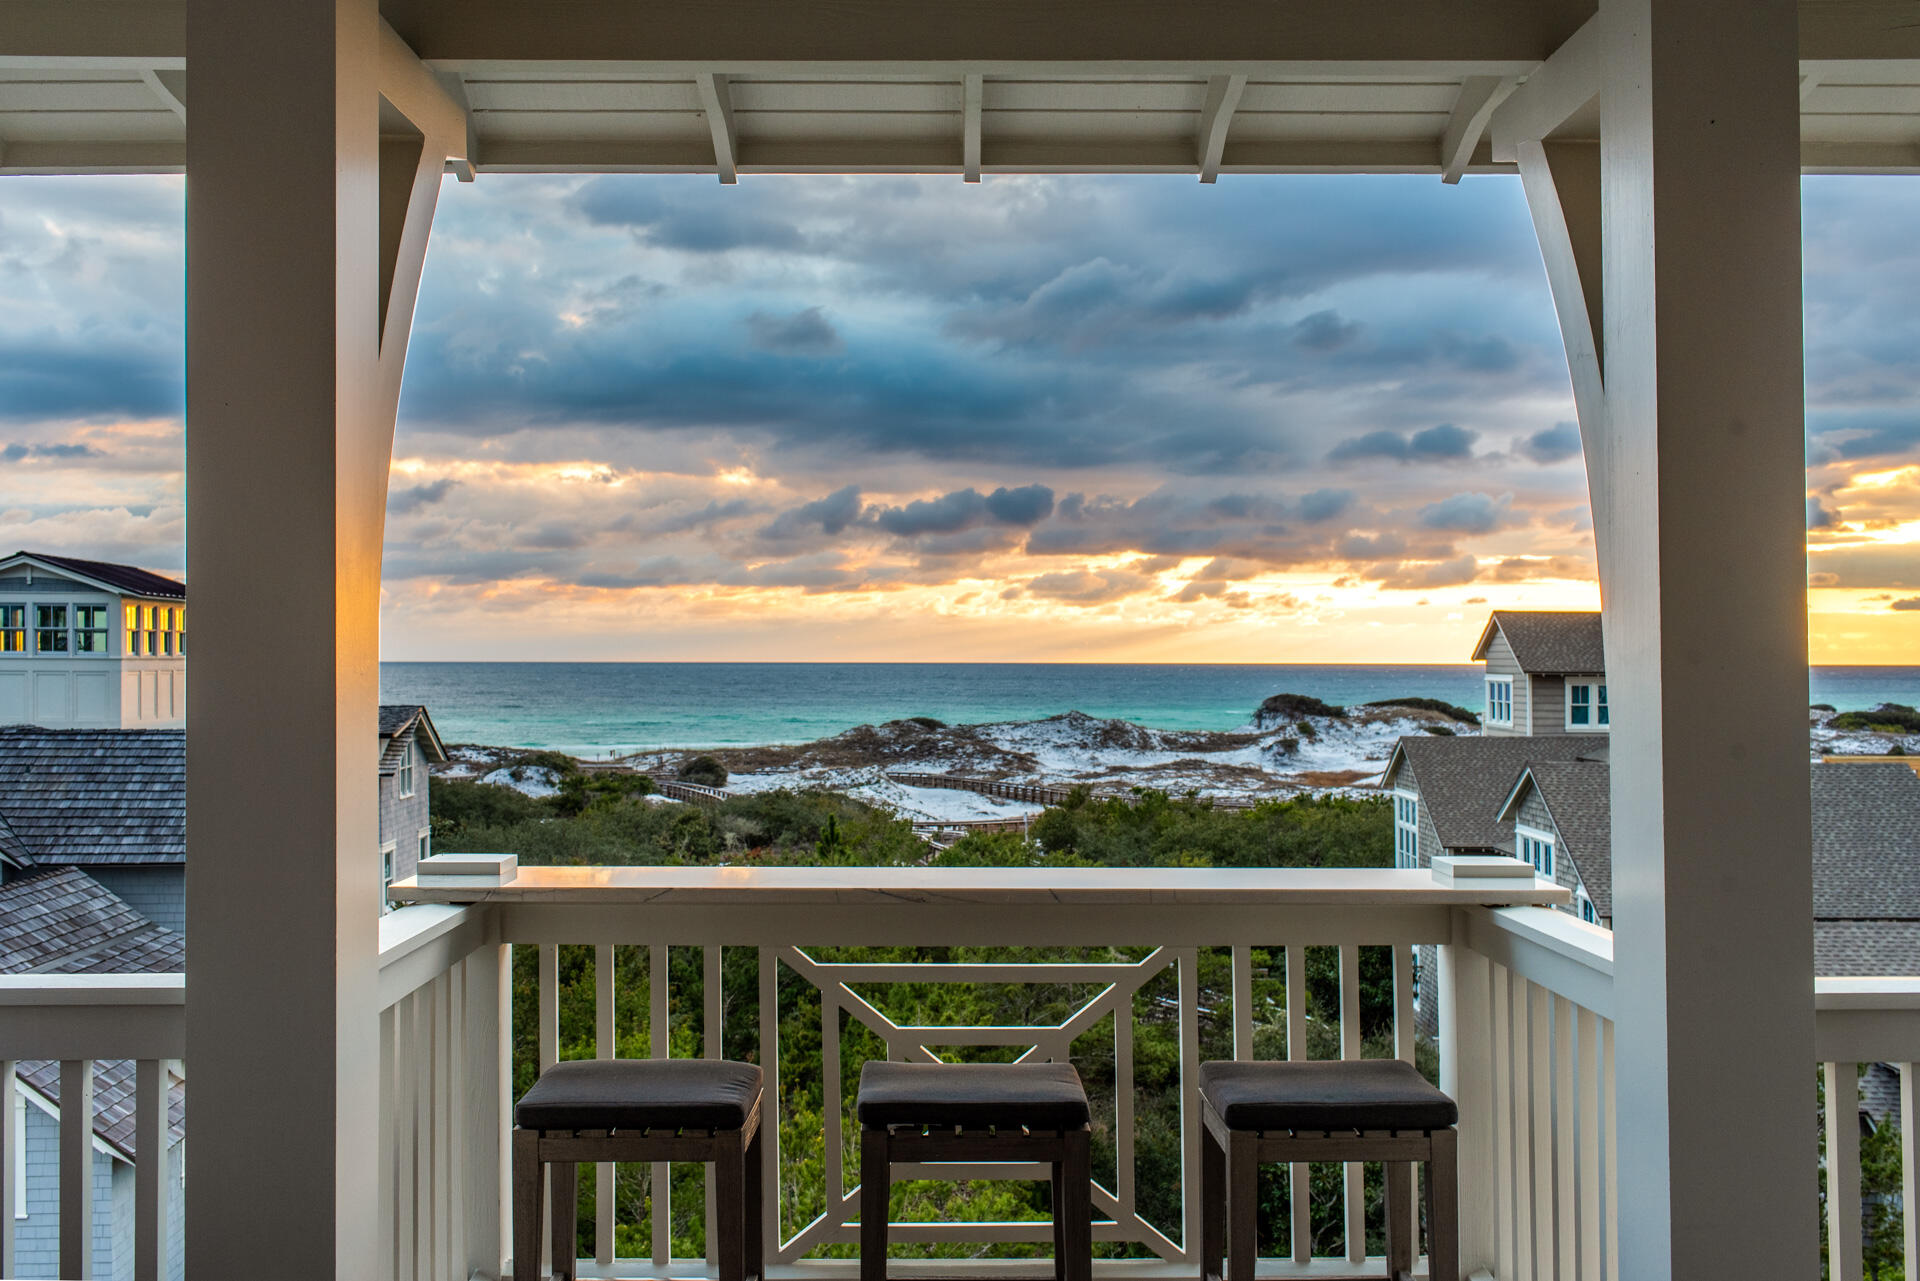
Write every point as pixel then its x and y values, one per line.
pixel 1300 1176
pixel 76 1168
pixel 10 1140
pixel 1909 1176
pixel 1540 1089
pixel 770 1107
pixel 1587 1173
pixel 603 1044
pixel 658 1048
pixel 1188 959
pixel 150 1170
pixel 1843 1172
pixel 1356 1173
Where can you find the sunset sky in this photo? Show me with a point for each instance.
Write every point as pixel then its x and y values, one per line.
pixel 1077 419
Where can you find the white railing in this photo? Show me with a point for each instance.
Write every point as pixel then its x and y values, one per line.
pixel 1525 1032
pixel 444 1086
pixel 78 1021
pixel 1865 1021
pixel 1141 939
pixel 1527 1051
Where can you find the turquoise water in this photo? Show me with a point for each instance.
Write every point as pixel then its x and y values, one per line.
pixel 594 708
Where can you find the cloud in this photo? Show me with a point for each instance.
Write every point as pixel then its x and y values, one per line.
pixel 1467 514
pixel 658 214
pixel 1443 443
pixel 1554 445
pixel 1324 331
pixel 17 452
pixel 1450 573
pixel 1906 603
pixel 1818 517
pixel 964 509
pixel 831 515
pixel 413 499
pixel 1325 504
pixel 1089 587
pixel 804 333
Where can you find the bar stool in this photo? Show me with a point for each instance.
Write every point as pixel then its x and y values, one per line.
pixel 1353 1110
pixel 638 1110
pixel 977 1112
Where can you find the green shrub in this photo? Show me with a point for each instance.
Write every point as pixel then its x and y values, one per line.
pixel 926 722
pixel 1888 718
pixel 704 771
pixel 1291 707
pixel 1442 731
pixel 1451 711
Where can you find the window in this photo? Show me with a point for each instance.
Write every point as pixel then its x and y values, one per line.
pixel 181 648
pixel 403 779
pixel 426 846
pixel 133 629
pixel 13 629
pixel 1499 700
pixel 1535 847
pixel 150 623
pixel 1406 830
pixel 1586 706
pixel 90 629
pixel 50 629
pixel 1587 913
pixel 386 876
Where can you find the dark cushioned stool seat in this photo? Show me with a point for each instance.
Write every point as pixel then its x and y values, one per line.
pixel 640 1094
pixel 1370 1094
pixel 1040 1096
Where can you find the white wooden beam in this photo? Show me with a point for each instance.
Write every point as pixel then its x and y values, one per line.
pixel 170 87
pixel 416 93
pixel 1216 118
pixel 1479 95
pixel 1560 86
pixel 972 92
pixel 716 98
pixel 18 157
pixel 464 165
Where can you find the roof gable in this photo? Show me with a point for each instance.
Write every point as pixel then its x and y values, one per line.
pixel 123 579
pixel 1463 780
pixel 402 723
pixel 1578 797
pixel 1548 643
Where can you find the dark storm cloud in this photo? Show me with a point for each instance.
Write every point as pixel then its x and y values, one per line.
pixel 1325 504
pixel 1818 517
pixel 1444 443
pixel 1324 331
pixel 405 501
pixel 804 333
pixel 1028 505
pixel 1554 445
pixel 57 380
pixel 660 214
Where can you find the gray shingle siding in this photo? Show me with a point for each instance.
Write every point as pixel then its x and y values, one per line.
pixel 404 818
pixel 1501 662
pixel 1547 697
pixel 157 893
pixel 37 1237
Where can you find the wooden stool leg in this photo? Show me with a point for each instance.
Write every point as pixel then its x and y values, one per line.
pixel 1443 1228
pixel 1401 1248
pixel 1243 1205
pixel 1213 1210
pixel 756 1204
pixel 1073 1206
pixel 876 1174
pixel 526 1205
pixel 1057 1192
pixel 566 1203
pixel 730 1204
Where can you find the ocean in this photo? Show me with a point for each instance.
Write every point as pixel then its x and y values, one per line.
pixel 592 709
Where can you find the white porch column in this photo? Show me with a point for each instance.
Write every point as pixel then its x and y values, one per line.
pixel 293 268
pixel 1700 499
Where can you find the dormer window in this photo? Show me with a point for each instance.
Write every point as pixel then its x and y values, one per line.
pixel 1499 700
pixel 1406 830
pixel 13 629
pixel 90 629
pixel 1535 847
pixel 1586 705
pixel 403 778
pixel 49 629
pixel 132 620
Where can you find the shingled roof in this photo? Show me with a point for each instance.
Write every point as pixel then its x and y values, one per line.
pixel 1548 643
pixel 121 578
pixel 1866 842
pixel 1463 780
pixel 1578 796
pixel 89 797
pixel 65 922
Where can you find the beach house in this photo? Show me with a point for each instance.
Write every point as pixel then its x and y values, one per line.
pixel 1546 673
pixel 90 644
pixel 1633 1104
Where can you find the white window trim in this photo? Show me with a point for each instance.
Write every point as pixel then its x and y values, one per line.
pixel 403 784
pixel 1491 719
pixel 19 1175
pixel 1413 828
pixel 387 852
pixel 1523 831
pixel 1594 724
pixel 1583 905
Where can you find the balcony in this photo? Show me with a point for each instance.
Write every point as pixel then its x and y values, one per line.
pixel 1525 1041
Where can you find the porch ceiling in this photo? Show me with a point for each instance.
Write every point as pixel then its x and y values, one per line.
pixel 1241 86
